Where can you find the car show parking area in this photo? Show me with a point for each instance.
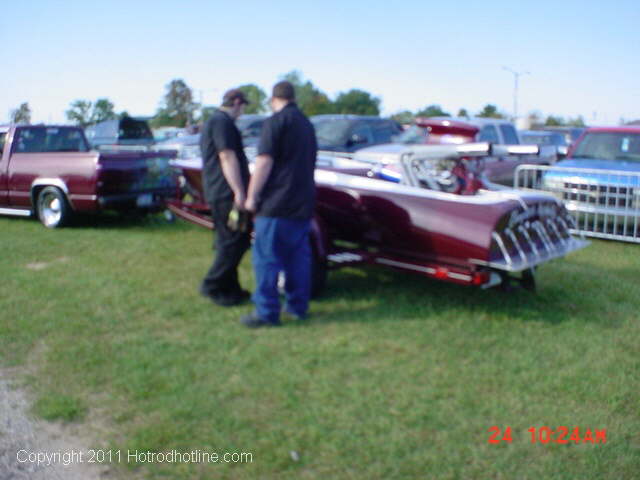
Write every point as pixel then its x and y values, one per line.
pixel 392 376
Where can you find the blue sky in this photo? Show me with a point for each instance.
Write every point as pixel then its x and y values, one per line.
pixel 583 55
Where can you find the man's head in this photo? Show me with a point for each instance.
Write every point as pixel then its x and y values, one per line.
pixel 233 101
pixel 282 93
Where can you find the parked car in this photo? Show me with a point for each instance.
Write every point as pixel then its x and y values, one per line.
pixel 250 126
pixel 571 134
pixel 443 130
pixel 185 146
pixel 437 130
pixel 474 236
pixel 601 177
pixel 125 131
pixel 165 133
pixel 50 172
pixel 348 133
pixel 546 138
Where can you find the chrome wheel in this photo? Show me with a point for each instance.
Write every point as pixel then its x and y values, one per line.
pixel 52 207
pixel 51 210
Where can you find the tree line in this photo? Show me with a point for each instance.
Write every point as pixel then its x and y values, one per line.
pixel 178 107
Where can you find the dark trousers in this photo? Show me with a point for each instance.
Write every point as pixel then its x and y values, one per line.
pixel 281 245
pixel 230 246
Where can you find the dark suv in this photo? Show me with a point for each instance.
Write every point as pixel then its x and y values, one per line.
pixel 348 133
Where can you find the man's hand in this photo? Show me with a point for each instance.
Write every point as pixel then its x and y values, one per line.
pixel 258 179
pixel 250 204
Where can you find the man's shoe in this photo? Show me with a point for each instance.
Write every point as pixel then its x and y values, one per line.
pixel 244 294
pixel 224 299
pixel 252 320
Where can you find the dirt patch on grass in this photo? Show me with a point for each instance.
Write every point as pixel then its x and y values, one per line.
pixel 24 440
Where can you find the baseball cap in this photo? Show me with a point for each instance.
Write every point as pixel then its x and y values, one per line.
pixel 230 97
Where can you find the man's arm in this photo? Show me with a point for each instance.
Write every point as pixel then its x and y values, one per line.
pixel 259 177
pixel 231 171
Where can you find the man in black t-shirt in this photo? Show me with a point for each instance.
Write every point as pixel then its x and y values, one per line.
pixel 282 194
pixel 225 177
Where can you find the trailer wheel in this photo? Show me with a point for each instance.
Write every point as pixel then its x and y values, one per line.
pixel 53 209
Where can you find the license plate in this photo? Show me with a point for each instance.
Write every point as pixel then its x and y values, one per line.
pixel 145 200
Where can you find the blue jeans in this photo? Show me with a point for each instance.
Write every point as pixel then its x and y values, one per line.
pixel 281 245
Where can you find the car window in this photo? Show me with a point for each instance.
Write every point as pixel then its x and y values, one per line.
pixel 412 136
pixel 3 135
pixel 383 131
pixel 50 139
pixel 131 129
pixel 509 134
pixel 488 133
pixel 330 132
pixel 363 131
pixel 609 146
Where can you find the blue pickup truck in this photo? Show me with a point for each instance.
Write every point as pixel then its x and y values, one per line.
pixel 601 177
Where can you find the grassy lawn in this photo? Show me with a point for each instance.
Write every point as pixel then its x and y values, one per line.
pixel 393 376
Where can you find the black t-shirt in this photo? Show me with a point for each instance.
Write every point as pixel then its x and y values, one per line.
pixel 289 138
pixel 220 133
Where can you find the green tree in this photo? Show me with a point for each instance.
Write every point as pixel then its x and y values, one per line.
pixel 256 97
pixel 357 102
pixel 80 113
pixel 576 122
pixel 432 111
pixel 22 114
pixel 404 117
pixel 177 108
pixel 554 121
pixel 83 112
pixel 102 110
pixel 462 113
pixel 310 99
pixel 490 111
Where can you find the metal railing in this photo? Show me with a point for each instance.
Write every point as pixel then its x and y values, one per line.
pixel 603 203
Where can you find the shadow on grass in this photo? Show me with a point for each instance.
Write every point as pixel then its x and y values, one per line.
pixel 126 220
pixel 388 295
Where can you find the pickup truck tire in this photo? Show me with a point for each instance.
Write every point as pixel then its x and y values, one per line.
pixel 52 208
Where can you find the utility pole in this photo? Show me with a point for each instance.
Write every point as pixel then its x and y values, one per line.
pixel 516 76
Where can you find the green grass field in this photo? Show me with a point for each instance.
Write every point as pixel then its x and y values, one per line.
pixel 394 376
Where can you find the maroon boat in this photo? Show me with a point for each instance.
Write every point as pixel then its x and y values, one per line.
pixel 443 220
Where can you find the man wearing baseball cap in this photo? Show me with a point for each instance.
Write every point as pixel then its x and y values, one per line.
pixel 225 177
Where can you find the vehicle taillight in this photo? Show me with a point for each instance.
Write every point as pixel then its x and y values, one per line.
pixel 441 273
pixel 480 278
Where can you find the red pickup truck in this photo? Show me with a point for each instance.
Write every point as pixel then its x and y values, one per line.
pixel 50 172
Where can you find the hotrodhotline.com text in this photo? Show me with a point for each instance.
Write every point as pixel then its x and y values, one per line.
pixel 70 457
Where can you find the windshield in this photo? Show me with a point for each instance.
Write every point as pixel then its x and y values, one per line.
pixel 131 129
pixel 551 139
pixel 331 132
pixel 609 146
pixel 412 136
